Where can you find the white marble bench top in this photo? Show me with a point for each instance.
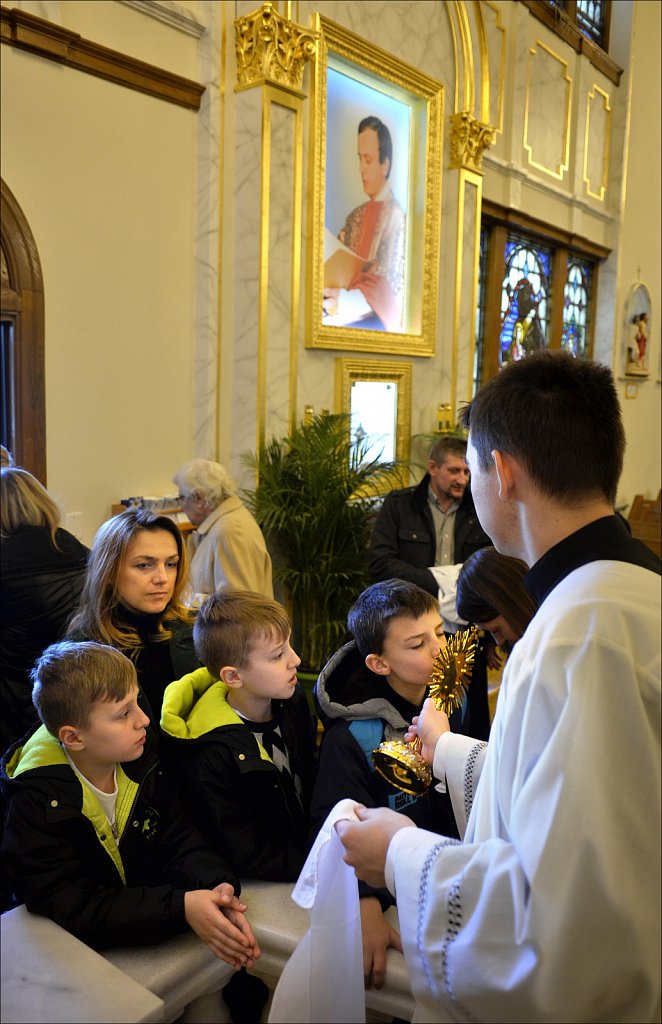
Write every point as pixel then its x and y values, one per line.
pixel 50 976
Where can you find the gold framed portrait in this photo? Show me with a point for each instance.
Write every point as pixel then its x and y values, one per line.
pixel 375 199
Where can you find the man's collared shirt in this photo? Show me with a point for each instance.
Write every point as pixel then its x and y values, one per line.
pixel 444 526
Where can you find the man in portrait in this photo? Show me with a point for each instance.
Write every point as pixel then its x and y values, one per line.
pixel 375 232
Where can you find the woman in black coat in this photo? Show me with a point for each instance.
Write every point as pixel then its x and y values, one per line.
pixel 42 570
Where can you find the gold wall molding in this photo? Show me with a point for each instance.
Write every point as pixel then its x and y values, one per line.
pixel 272 49
pixel 601 190
pixel 27 32
pixel 469 138
pixel 275 96
pixel 540 51
pixel 500 89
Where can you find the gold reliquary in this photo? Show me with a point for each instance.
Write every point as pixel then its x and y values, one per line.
pixel 401 763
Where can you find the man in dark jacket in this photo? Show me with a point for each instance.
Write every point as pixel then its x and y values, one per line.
pixel 434 524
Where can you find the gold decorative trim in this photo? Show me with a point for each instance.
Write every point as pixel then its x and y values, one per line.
pixel 558 171
pixel 221 236
pixel 272 49
pixel 348 371
pixel 27 32
pixel 466 177
pixel 469 139
pixel 467 54
pixel 484 62
pixel 456 59
pixel 276 96
pixel 502 62
pixel 295 288
pixel 602 188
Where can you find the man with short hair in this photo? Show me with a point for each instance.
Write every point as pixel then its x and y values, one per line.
pixel 431 524
pixel 549 909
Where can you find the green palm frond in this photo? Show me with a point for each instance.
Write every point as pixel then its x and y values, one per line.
pixel 314 503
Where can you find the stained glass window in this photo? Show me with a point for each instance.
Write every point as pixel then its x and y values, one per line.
pixel 576 296
pixel 524 299
pixel 590 16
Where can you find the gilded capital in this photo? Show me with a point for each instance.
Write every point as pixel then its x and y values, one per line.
pixel 469 138
pixel 270 48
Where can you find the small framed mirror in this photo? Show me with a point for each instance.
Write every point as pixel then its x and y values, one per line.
pixel 377 395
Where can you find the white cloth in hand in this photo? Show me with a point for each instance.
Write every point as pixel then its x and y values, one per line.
pixel 322 982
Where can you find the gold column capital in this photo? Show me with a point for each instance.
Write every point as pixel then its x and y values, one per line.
pixel 469 138
pixel 273 49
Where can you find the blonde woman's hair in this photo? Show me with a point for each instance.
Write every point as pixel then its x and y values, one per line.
pixel 97 617
pixel 70 677
pixel 210 479
pixel 228 624
pixel 26 502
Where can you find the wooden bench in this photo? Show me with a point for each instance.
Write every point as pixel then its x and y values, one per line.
pixel 646 522
pixel 48 976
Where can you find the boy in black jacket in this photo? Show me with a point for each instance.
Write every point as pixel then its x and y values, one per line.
pixel 243 737
pixel 91 839
pixel 369 692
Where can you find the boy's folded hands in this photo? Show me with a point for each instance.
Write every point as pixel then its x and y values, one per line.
pixel 218 917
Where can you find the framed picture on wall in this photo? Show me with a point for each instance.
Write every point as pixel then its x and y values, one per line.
pixel 376 199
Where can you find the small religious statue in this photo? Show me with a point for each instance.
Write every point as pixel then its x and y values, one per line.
pixel 637 345
pixel 400 763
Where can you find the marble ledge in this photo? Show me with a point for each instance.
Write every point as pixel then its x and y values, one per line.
pixel 50 976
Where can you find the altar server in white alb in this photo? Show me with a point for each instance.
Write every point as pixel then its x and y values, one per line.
pixel 549 907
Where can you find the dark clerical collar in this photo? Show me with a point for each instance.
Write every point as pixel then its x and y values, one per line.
pixel 604 539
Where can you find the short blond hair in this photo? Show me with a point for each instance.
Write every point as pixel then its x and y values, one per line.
pixel 25 502
pixel 70 677
pixel 230 622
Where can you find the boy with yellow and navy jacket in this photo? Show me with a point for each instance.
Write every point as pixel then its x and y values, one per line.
pixel 92 838
pixel 242 737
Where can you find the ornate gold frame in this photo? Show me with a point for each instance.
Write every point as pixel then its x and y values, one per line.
pixel 348 371
pixel 424 95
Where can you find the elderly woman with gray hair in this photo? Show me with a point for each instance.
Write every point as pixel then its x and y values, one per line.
pixel 226 550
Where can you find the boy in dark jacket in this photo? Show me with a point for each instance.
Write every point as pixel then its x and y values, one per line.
pixel 91 838
pixel 369 692
pixel 243 737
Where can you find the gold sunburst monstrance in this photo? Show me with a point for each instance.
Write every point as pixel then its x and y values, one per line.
pixel 401 763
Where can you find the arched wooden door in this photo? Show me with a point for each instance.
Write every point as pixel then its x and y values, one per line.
pixel 23 397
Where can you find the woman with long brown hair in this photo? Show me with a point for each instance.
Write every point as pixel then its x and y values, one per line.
pixel 131 600
pixel 491 594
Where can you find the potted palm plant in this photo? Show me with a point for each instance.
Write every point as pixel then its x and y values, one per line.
pixel 314 501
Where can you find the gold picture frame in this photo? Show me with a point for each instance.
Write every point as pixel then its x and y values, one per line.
pixel 380 371
pixel 367 100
